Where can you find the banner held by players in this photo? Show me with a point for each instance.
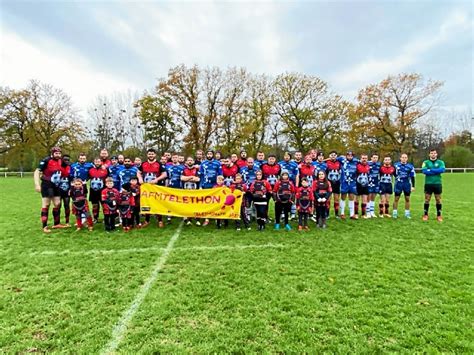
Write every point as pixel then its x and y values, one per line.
pixel 220 203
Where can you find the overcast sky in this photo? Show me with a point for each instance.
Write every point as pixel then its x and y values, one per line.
pixel 92 48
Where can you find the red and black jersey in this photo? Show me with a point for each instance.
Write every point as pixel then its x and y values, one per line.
pixel 362 173
pixel 386 173
pixel 51 169
pixel 259 190
pixel 241 163
pixel 126 202
pixel 151 170
pixel 241 186
pixel 284 191
pixel 190 171
pixel 322 188
pixel 229 173
pixel 135 190
pixel 110 200
pixel 304 199
pixel 97 177
pixel 106 163
pixel 306 171
pixel 333 171
pixel 66 178
pixel 78 197
pixel 271 172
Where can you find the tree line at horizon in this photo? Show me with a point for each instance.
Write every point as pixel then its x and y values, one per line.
pixel 229 110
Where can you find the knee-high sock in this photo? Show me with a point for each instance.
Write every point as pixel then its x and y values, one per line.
pixel 56 215
pixel 342 206
pixel 351 208
pixel 44 216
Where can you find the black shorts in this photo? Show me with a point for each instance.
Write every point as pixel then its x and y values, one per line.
pixel 63 194
pixel 362 190
pixel 436 189
pixel 49 190
pixel 336 187
pixel 386 188
pixel 95 196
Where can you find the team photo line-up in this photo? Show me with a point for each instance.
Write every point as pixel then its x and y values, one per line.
pixel 304 186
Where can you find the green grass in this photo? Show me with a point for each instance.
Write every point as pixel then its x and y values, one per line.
pixel 359 286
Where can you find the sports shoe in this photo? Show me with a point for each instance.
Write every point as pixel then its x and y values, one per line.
pixel 198 223
pixel 144 224
pixel 386 216
pixel 439 218
pixel 292 217
pixel 249 228
pixel 206 222
pixel 373 215
pixel 407 215
pixel 287 227
pixel 277 226
pixel 343 216
pixel 354 216
pixel 168 220
pixel 306 228
pixel 300 228
pixel 238 229
pixel 313 218
pixel 67 225
pixel 58 226
pixel 425 218
pixel 394 214
pixel 90 229
pixel 366 216
pixel 161 224
pixel 46 230
pixel 78 229
pixel 188 223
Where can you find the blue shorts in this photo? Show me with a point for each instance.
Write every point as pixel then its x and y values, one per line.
pixel 402 187
pixel 349 189
pixel 386 188
pixel 374 188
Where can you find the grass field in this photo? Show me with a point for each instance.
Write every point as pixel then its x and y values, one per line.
pixel 359 286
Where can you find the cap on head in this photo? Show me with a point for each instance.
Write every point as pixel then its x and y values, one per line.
pixel 55 149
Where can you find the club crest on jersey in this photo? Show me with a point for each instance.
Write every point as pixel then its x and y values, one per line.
pixel 363 180
pixel 149 177
pixel 334 175
pixel 97 184
pixel 56 178
pixel 64 184
pixel 386 179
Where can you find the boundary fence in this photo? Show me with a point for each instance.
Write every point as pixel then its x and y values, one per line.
pixel 20 174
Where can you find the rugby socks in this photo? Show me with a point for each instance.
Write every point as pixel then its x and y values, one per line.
pixel 438 209
pixel 426 207
pixel 67 213
pixel 351 208
pixel 79 220
pixel 387 207
pixel 342 206
pixel 364 209
pixel 44 216
pixel 356 207
pixel 56 216
pixel 336 208
pixel 95 211
pixel 381 206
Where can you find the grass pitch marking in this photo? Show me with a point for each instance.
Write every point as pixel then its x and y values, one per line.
pixel 121 327
pixel 151 249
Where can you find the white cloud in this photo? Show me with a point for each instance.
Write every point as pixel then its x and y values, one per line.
pixel 55 64
pixel 374 69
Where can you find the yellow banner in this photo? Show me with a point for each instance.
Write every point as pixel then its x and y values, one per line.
pixel 219 202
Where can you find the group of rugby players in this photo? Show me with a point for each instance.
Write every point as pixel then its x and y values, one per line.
pixel 305 185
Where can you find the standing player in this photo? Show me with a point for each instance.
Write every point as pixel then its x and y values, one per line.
pixel 209 170
pixel 387 171
pixel 127 172
pixel 333 173
pixel 239 184
pixel 175 171
pixel 306 170
pixel 291 167
pixel 283 194
pixel 374 184
pixel 199 157
pixel 242 161
pixel 47 178
pixel 298 157
pixel 348 183
pixel 271 170
pixel 362 173
pixel 319 165
pixel 433 168
pixel 80 207
pixel 229 170
pixel 97 175
pixel 135 191
pixel 249 174
pixel 304 203
pixel 80 169
pixel 114 170
pixel 104 158
pixel 259 189
pixel 404 182
pixel 322 192
pixel 110 200
pixel 190 181
pixel 65 186
pixel 260 160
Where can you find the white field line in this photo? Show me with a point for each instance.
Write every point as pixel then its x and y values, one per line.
pixel 151 249
pixel 121 327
